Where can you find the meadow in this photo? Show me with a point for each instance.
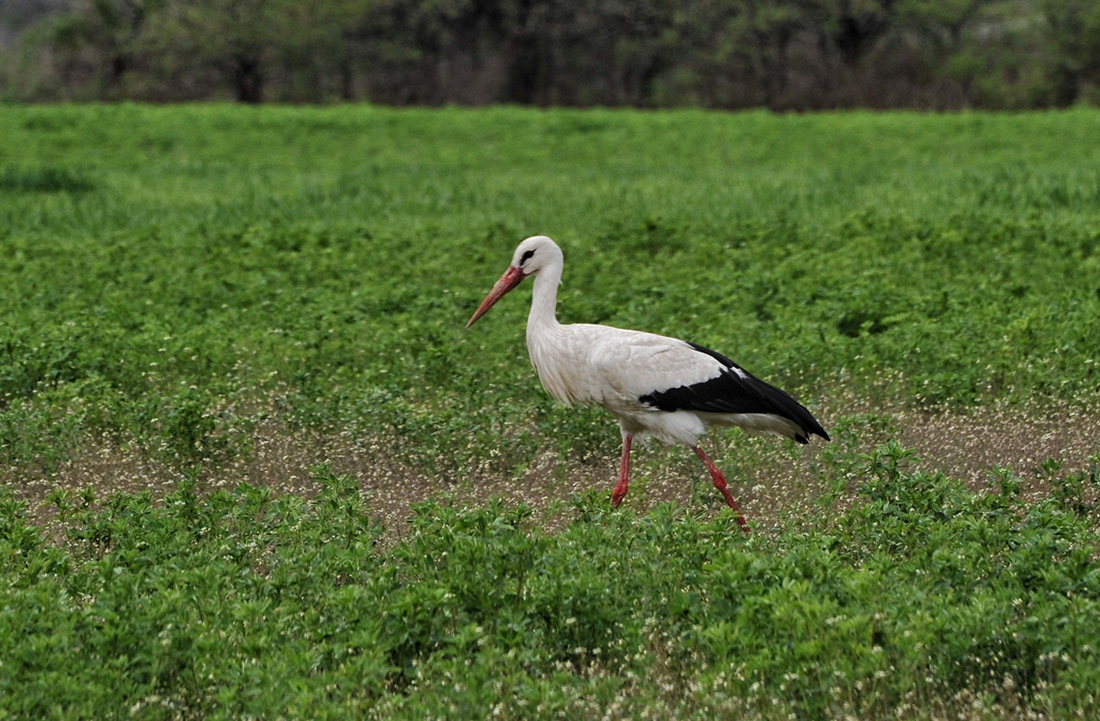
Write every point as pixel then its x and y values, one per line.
pixel 253 465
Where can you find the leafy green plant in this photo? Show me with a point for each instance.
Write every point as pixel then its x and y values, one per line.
pixel 311 269
pixel 314 271
pixel 922 596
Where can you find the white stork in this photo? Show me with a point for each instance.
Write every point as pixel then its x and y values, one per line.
pixel 664 387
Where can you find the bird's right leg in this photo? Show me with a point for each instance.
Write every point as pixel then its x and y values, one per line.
pixel 624 472
pixel 719 479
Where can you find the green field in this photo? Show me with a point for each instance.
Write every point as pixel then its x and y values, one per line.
pixel 254 466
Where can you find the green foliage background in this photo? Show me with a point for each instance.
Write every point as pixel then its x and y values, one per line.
pixel 171 277
pixel 173 272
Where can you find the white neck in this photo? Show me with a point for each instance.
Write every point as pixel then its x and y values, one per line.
pixel 545 342
pixel 544 301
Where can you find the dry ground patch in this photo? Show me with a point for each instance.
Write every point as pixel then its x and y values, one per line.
pixel 770 477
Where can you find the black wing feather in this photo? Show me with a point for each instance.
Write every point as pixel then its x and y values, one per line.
pixel 732 393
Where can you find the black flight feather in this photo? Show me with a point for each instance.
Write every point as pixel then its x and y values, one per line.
pixel 732 393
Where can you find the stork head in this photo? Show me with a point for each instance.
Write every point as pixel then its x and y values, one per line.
pixel 531 256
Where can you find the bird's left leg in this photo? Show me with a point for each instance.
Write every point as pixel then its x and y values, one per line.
pixel 720 483
pixel 624 472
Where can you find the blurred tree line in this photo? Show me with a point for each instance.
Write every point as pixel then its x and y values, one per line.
pixel 782 54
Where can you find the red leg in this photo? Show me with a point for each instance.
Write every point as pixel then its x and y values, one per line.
pixel 720 484
pixel 624 472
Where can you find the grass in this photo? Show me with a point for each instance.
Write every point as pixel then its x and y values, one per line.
pixel 202 303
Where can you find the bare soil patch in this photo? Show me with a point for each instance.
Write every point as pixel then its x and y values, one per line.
pixel 769 476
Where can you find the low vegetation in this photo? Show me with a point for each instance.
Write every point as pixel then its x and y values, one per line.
pixel 199 303
pixel 922 600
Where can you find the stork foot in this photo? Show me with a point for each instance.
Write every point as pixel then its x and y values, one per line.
pixel 618 494
pixel 720 483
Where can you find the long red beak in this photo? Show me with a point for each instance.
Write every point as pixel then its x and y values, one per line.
pixel 511 278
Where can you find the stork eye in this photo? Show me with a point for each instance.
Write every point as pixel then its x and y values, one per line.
pixel 526 255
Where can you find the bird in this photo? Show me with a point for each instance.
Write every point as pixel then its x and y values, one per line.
pixel 655 386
